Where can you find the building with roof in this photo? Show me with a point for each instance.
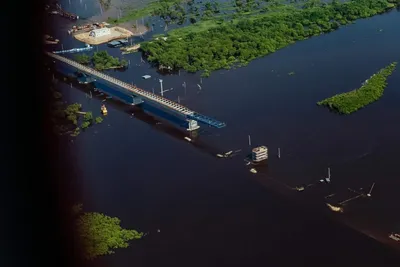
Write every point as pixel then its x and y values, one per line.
pixel 99 32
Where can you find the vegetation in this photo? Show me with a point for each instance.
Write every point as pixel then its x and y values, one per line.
pixel 371 91
pixel 105 4
pixel 102 60
pixel 151 8
pixel 218 42
pixel 98 120
pixel 66 119
pixel 82 59
pixel 101 234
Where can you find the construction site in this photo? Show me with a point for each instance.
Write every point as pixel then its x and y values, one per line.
pixel 102 35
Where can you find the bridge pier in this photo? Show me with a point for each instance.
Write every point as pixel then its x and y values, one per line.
pixel 192 125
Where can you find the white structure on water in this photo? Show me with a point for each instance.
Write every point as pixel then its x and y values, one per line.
pixel 259 153
pixel 100 32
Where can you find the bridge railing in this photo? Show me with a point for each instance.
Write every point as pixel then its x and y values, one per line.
pixel 134 89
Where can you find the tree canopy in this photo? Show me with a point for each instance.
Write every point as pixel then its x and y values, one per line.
pixel 371 91
pixel 214 44
pixel 101 234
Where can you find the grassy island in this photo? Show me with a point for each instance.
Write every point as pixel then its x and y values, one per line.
pixel 223 36
pixel 102 61
pixel 371 91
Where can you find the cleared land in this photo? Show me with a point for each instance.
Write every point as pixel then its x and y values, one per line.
pixel 115 33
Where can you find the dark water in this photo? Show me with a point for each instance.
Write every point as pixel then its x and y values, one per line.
pixel 213 212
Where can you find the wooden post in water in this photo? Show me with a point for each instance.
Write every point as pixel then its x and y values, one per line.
pixel 279 153
pixel 249 140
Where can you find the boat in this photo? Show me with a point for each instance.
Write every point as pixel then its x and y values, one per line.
pixel 103 109
pixel 334 208
pixel 130 49
pixel 220 156
pixel 118 43
pixel 300 188
pixel 228 153
pixel 252 170
pixel 50 40
pixel 395 237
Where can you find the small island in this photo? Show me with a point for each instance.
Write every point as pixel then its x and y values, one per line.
pixel 102 61
pixel 371 90
pixel 101 234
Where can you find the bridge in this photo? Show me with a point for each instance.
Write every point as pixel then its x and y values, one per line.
pixel 140 93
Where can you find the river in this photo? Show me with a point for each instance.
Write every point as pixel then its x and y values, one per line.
pixel 214 212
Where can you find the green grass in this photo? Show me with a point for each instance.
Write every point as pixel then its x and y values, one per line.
pixel 371 91
pixel 138 13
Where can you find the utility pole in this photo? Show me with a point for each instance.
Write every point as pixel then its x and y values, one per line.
pixel 184 86
pixel 162 92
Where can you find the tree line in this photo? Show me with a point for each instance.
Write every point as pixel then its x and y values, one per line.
pixel 369 92
pixel 101 60
pixel 237 42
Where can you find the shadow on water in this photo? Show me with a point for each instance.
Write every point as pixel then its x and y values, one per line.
pixel 138 113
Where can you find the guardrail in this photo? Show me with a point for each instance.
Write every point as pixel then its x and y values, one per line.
pixel 137 91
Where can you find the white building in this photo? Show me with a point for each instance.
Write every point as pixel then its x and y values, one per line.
pixel 259 153
pixel 100 32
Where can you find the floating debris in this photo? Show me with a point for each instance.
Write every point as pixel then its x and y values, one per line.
pixel 188 139
pixel 252 170
pixel 146 77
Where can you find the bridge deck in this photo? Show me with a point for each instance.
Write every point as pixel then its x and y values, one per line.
pixel 135 90
pixel 142 93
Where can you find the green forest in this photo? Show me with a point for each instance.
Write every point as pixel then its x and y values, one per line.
pixel 101 234
pixel 102 60
pixel 371 91
pixel 217 42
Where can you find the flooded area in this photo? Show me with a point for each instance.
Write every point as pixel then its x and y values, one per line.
pixel 213 211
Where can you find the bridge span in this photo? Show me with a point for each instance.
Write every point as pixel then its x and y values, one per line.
pixel 144 95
